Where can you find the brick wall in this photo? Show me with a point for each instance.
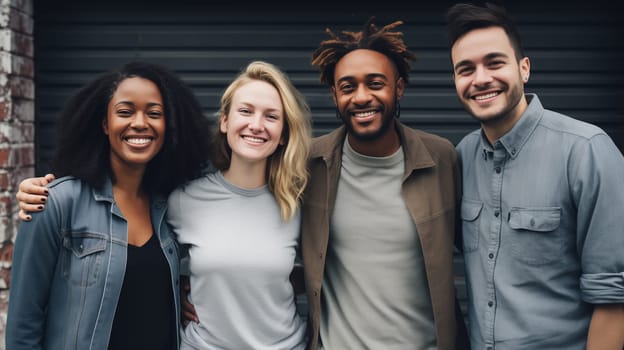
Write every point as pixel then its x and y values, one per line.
pixel 17 92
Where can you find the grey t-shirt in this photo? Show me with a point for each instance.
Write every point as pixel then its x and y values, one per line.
pixel 375 292
pixel 241 254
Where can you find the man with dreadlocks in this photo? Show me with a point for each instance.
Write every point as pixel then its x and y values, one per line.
pixel 379 215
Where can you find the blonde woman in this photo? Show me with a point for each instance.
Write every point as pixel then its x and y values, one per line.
pixel 241 223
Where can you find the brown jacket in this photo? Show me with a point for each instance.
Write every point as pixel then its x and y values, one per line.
pixel 431 189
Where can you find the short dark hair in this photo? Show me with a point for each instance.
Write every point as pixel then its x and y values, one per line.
pixel 83 150
pixel 383 40
pixel 462 18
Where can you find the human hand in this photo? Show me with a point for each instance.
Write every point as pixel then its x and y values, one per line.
pixel 187 313
pixel 32 194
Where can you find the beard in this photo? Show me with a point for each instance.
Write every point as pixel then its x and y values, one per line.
pixel 386 122
pixel 514 96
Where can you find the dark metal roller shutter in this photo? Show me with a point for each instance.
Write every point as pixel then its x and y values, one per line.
pixel 576 55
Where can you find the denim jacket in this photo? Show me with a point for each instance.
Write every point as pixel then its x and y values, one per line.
pixel 68 268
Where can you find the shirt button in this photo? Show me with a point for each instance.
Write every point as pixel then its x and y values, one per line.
pixel 490 303
pixel 498 169
pixel 170 251
pixel 496 213
pixel 491 256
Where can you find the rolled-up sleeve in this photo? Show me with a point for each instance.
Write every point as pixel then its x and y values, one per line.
pixel 603 288
pixel 598 188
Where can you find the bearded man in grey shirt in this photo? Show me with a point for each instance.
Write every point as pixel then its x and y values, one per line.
pixel 379 213
pixel 543 197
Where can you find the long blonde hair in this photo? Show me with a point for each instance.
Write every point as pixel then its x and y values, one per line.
pixel 287 172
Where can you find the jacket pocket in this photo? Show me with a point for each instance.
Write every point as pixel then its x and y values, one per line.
pixel 83 257
pixel 535 239
pixel 470 213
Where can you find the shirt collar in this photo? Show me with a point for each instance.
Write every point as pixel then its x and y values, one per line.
pixel 417 156
pixel 514 140
pixel 105 193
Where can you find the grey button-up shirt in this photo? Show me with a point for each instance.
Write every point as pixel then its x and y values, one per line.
pixel 543 231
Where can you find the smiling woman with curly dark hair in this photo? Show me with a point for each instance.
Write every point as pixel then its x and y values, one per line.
pixel 99 268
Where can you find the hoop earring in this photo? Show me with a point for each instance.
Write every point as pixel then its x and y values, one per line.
pixel 397 110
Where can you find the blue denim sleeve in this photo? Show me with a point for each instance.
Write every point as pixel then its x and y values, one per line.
pixel 598 189
pixel 35 258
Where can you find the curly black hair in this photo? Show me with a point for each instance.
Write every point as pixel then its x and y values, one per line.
pixel 83 150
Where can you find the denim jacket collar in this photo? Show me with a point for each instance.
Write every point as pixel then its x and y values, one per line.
pixel 105 193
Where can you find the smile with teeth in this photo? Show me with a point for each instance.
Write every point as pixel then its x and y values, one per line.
pixel 364 114
pixel 138 140
pixel 253 139
pixel 486 96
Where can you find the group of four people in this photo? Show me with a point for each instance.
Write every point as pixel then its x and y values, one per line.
pixel 375 207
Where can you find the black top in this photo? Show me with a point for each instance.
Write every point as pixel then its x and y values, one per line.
pixel 145 312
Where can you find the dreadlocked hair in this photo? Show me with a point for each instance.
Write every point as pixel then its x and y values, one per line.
pixel 385 41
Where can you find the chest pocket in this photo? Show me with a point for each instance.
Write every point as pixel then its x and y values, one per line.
pixel 470 213
pixel 83 256
pixel 534 237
